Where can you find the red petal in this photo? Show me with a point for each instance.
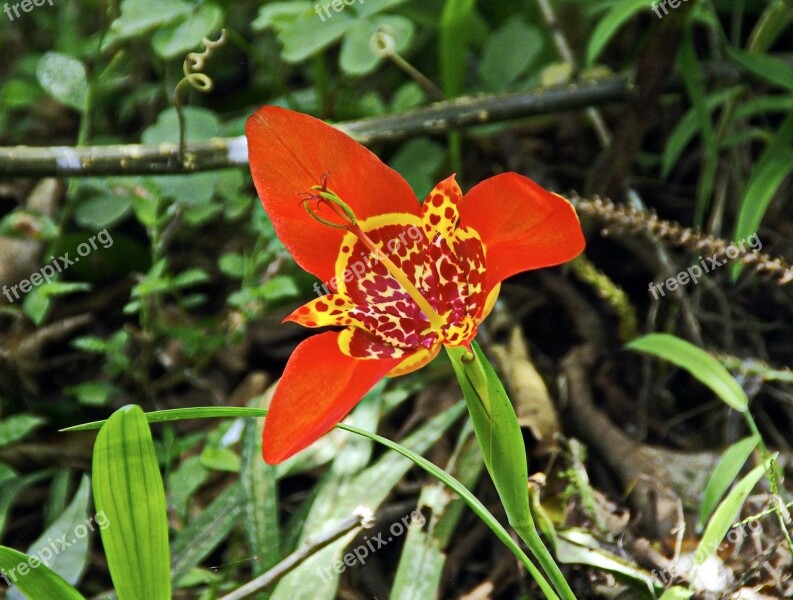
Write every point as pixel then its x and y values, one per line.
pixel 522 225
pixel 320 385
pixel 288 153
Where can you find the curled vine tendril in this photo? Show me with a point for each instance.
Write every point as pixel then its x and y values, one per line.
pixel 194 77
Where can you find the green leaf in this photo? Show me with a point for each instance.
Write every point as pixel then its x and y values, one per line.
pixel 260 489
pixel 357 56
pixel 92 393
pixel 128 489
pixel 19 93
pixel 102 211
pixel 200 124
pixel 139 16
pixel 408 95
pixel 726 513
pixel 63 78
pixel 189 278
pixel 207 530
pixel 36 583
pixel 776 18
pixel 774 164
pixel 618 14
pixel 687 127
pixel 454 36
pixel 9 491
pixel 183 481
pixel 676 592
pixel 693 80
pixel 697 362
pixel 232 264
pixel 418 161
pixel 724 474
pixel 6 473
pixel 497 430
pixel 279 288
pixel 17 427
pixel 770 68
pixel 501 63
pixel 280 14
pixel 579 547
pixel 73 523
pixel 37 303
pixel 220 459
pixel 752 107
pixel 307 34
pixel 178 38
pixel 365 8
pixel 63 288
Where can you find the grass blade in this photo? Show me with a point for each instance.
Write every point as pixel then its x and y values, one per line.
pixel 726 513
pixel 207 530
pixel 260 492
pixel 619 13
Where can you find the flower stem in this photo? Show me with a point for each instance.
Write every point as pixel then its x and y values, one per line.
pixel 504 454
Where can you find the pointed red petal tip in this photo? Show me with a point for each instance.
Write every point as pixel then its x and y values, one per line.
pixel 320 385
pixel 289 152
pixel 522 225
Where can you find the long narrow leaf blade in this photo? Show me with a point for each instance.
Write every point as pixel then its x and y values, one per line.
pixel 724 474
pixel 697 362
pixel 498 432
pixel 725 514
pixel 260 488
pixel 71 561
pixel 472 501
pixel 179 414
pixel 128 489
pixel 35 582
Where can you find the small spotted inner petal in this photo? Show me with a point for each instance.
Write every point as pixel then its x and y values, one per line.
pixel 446 264
pixel 439 214
pixel 330 310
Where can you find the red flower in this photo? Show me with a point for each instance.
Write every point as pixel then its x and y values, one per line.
pixel 401 278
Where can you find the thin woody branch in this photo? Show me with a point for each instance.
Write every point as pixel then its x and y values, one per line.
pixel 223 153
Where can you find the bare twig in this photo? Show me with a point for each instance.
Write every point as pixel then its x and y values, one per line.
pixel 362 518
pixel 223 153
